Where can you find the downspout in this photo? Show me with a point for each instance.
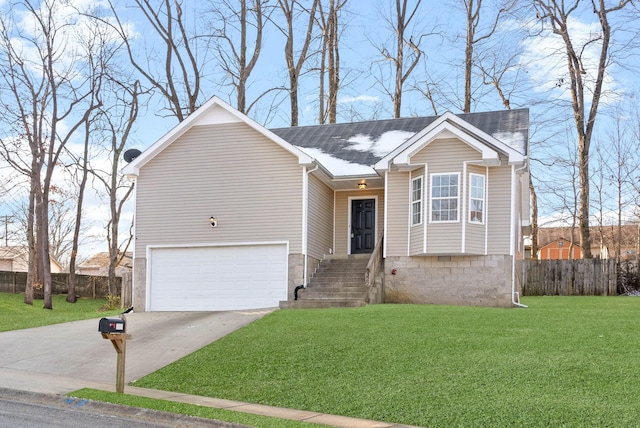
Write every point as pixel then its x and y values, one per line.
pixel 466 181
pixel 305 228
pixel 514 293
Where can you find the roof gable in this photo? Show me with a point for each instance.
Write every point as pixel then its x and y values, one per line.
pixel 214 111
pixel 364 148
pixel 362 145
pixel 451 125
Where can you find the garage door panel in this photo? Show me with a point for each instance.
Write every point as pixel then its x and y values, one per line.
pixel 217 278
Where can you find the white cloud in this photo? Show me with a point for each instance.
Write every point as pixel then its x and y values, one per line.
pixel 359 98
pixel 74 34
pixel 544 57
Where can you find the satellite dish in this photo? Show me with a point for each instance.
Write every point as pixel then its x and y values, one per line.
pixel 131 154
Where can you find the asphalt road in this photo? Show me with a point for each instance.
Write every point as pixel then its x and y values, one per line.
pixel 19 409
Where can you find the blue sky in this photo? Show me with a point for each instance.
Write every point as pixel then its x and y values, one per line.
pixel 536 79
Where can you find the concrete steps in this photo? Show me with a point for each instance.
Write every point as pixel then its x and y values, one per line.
pixel 337 283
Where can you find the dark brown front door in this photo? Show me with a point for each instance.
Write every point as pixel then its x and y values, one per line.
pixel 363 225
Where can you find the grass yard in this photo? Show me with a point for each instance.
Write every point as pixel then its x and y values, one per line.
pixel 564 361
pixel 15 314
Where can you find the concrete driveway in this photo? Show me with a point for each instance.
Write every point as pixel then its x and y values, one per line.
pixel 61 358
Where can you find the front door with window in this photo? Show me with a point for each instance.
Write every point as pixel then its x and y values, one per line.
pixel 363 226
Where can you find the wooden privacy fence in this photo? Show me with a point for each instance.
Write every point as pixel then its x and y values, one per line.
pixel 584 277
pixel 86 285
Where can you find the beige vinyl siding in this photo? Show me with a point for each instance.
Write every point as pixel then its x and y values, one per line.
pixel 416 233
pixel 320 214
pixel 343 214
pixel 397 231
pixel 474 243
pixel 445 156
pixel 250 184
pixel 499 209
pixel 444 238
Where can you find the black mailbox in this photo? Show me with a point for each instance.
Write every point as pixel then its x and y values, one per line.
pixel 111 325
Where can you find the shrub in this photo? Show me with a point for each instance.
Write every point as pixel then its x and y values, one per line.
pixel 113 303
pixel 628 277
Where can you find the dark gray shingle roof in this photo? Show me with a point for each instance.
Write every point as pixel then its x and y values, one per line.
pixel 337 139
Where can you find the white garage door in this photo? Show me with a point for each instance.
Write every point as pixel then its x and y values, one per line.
pixel 217 278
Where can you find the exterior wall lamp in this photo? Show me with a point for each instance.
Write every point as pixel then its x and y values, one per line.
pixel 213 221
pixel 362 186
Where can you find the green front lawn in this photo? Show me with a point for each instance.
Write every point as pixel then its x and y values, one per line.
pixel 564 361
pixel 16 315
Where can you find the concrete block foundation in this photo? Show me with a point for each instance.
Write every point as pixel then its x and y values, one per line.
pixel 451 280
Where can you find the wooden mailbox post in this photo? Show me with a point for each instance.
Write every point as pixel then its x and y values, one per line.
pixel 114 329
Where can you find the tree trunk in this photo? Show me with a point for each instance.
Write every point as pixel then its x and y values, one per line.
pixel 334 62
pixel 242 63
pixel 31 243
pixel 71 291
pixel 468 57
pixel 43 253
pixel 585 237
pixel 534 219
pixel 294 66
pixel 399 61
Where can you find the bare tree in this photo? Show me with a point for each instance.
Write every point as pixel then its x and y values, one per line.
pixel 329 60
pixel 62 203
pixel 294 65
pixel 238 25
pixel 82 164
pixel 566 191
pixel 180 76
pixel 406 52
pixel 557 14
pixel 619 164
pixel 478 30
pixel 14 153
pixel 47 84
pixel 119 120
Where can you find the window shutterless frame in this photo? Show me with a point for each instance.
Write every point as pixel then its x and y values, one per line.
pixel 417 185
pixel 476 198
pixel 444 206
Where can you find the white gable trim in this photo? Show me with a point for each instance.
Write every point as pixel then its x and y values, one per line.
pixel 489 155
pixel 449 122
pixel 209 114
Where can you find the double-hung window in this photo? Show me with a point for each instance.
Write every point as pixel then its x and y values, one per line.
pixel 476 198
pixel 444 197
pixel 416 201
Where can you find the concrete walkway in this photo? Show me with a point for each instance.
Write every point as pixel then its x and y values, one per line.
pixel 59 359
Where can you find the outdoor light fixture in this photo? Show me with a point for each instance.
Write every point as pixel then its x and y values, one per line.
pixel 213 221
pixel 362 186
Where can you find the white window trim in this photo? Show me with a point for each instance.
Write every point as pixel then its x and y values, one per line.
pixel 484 198
pixel 431 198
pixel 420 200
